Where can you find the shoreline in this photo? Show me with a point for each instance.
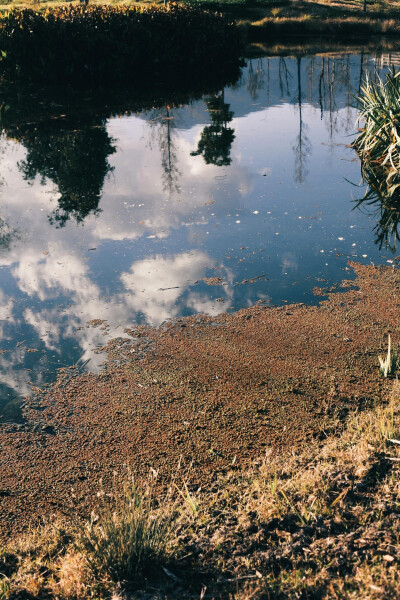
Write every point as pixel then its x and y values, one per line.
pixel 280 20
pixel 204 392
pixel 321 46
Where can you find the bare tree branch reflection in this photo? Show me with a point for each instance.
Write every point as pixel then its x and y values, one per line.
pixel 163 123
pixel 255 80
pixel 302 147
pixel 284 77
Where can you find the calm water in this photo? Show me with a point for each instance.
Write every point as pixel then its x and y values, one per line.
pixel 131 218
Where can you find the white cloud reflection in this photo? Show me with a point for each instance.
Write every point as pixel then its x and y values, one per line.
pixel 157 286
pixel 60 286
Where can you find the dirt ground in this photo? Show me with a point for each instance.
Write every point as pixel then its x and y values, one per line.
pixel 200 392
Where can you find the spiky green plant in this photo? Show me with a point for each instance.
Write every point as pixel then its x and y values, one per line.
pixel 379 140
pixel 378 146
pixel 390 363
pixel 379 106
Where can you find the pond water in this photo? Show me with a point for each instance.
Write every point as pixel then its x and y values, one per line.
pixel 242 196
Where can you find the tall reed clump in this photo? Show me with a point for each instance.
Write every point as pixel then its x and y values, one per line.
pixel 378 146
pixel 106 44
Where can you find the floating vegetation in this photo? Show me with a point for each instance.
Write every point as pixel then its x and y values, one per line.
pixel 378 146
pixel 103 44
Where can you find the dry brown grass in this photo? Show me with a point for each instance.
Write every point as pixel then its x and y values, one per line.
pixel 71 578
pixel 322 524
pixel 310 18
pixel 130 535
pixel 308 25
pixel 33 563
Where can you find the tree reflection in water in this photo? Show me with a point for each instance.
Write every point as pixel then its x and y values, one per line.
pixel 302 146
pixel 7 234
pixel 74 155
pixel 255 78
pixel 383 203
pixel 216 139
pixel 73 152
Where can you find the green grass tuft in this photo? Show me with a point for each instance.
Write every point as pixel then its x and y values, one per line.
pixel 132 539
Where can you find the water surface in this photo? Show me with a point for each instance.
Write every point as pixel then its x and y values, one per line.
pixel 245 195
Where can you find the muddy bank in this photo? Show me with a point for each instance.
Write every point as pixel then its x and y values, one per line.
pixel 206 392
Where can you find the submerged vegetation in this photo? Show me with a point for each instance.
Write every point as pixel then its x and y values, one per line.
pixel 321 524
pixel 105 44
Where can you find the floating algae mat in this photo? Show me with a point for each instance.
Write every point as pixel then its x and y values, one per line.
pixel 119 215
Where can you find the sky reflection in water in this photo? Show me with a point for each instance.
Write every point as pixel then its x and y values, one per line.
pixel 130 219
